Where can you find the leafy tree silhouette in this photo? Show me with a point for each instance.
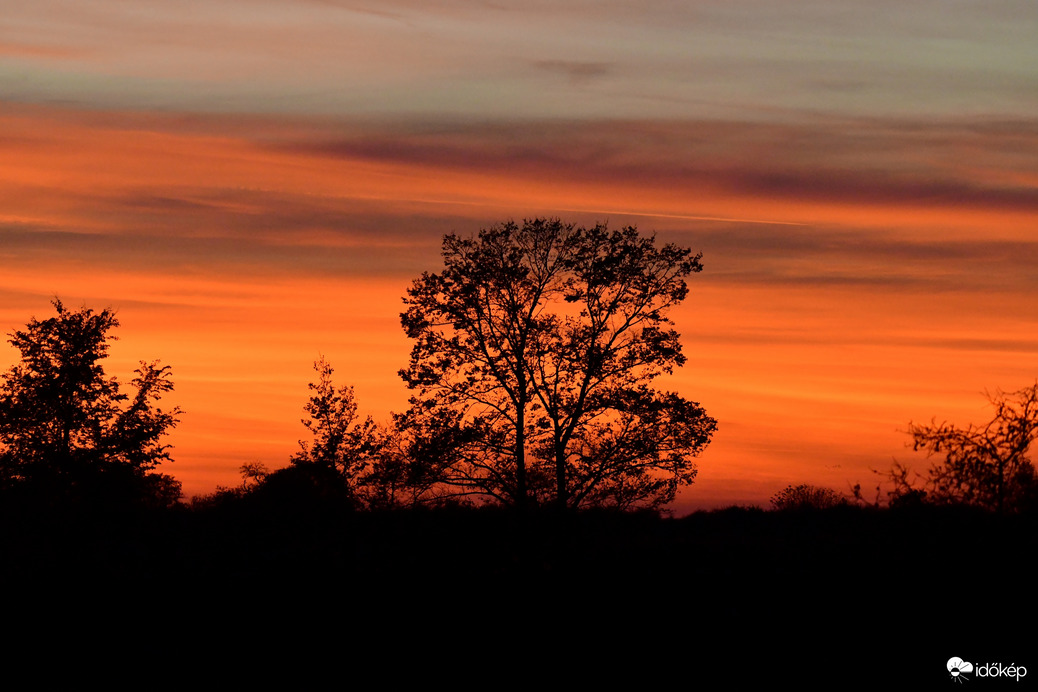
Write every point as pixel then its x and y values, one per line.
pixel 534 351
pixel 66 429
pixel 984 465
pixel 340 443
pixel 346 458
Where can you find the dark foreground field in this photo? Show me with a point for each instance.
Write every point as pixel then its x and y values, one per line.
pixel 861 591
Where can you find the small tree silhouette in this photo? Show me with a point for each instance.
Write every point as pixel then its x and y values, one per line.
pixel 338 441
pixel 342 449
pixel 66 429
pixel 805 496
pixel 252 474
pixel 984 465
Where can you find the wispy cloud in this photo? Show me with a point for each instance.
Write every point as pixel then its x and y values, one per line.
pixel 655 59
pixel 577 71
pixel 870 163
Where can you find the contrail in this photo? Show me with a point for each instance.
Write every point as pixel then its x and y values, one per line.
pixel 685 216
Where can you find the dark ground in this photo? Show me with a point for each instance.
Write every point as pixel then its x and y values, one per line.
pixel 838 595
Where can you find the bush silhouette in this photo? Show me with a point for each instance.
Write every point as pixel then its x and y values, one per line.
pixel 805 496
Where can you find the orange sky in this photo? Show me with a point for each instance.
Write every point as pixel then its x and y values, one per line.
pixel 239 251
pixel 253 191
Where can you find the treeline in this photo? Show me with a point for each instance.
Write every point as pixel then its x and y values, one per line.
pixel 535 353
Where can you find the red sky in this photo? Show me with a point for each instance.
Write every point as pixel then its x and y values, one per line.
pixel 864 194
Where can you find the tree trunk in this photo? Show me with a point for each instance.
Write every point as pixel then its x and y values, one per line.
pixel 561 488
pixel 522 499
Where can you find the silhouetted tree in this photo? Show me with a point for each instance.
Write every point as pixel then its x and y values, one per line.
pixel 394 479
pixel 66 428
pixel 984 465
pixel 806 496
pixel 252 474
pixel 342 448
pixel 534 350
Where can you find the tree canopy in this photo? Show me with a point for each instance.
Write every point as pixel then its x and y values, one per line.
pixel 343 449
pixel 534 353
pixel 340 442
pixel 66 427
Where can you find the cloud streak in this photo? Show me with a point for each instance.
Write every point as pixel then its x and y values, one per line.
pixel 651 59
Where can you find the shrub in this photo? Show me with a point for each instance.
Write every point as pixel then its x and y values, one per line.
pixel 805 496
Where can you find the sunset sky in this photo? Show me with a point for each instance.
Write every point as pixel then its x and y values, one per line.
pixel 253 184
